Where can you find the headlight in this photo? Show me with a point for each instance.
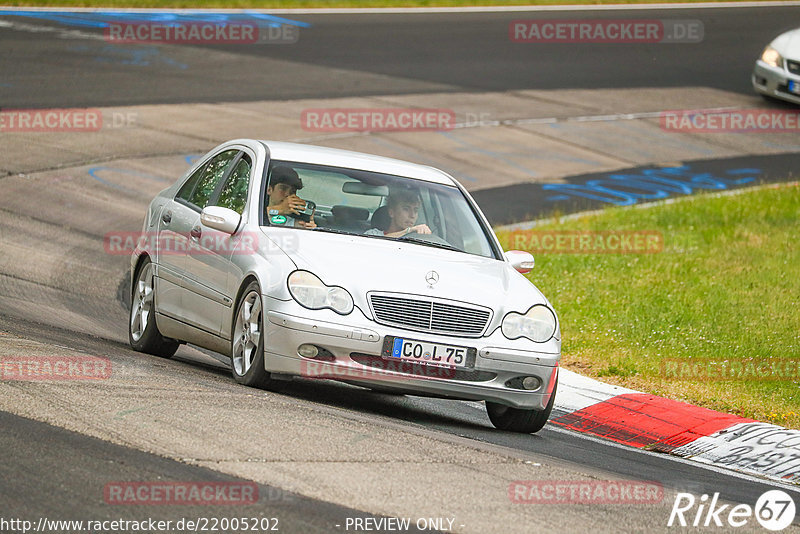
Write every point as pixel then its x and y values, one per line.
pixel 537 324
pixel 309 291
pixel 771 57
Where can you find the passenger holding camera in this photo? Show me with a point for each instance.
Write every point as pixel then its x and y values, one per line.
pixel 284 207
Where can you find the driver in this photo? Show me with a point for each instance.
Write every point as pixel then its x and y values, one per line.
pixel 403 209
pixel 282 199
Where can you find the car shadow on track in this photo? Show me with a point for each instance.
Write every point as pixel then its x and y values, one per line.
pixel 442 413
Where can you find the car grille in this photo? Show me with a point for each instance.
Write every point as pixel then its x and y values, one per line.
pixel 429 315
pixel 428 371
pixel 793 66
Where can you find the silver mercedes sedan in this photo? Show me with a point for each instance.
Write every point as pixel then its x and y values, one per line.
pixel 303 261
pixel 777 72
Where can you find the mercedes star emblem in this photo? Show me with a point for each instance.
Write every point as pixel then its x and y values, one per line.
pixel 432 277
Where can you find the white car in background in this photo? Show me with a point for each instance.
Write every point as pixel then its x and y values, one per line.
pixel 439 311
pixel 777 71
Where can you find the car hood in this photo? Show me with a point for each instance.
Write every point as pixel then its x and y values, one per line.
pixel 788 44
pixel 361 264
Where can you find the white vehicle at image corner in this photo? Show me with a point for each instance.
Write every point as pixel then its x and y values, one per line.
pixel 434 309
pixel 777 72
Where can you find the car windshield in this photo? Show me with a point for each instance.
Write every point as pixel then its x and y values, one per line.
pixel 375 205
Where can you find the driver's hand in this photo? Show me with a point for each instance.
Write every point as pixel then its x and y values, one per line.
pixel 421 229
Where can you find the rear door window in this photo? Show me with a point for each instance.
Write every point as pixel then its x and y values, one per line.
pixel 199 188
pixel 233 194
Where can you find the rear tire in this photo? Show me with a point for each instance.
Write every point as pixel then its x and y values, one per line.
pixel 143 333
pixel 247 342
pixel 520 420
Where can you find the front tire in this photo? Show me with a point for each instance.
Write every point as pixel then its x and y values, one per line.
pixel 143 333
pixel 247 342
pixel 518 419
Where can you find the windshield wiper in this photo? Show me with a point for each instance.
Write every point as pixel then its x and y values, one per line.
pixel 430 243
pixel 446 246
pixel 332 230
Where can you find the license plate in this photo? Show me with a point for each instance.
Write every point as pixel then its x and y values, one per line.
pixel 794 87
pixel 430 353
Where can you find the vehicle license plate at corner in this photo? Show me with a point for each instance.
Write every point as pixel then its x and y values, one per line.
pixel 794 87
pixel 429 353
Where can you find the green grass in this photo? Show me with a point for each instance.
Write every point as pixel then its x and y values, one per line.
pixel 726 286
pixel 276 4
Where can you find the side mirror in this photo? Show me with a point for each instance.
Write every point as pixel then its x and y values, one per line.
pixel 219 218
pixel 520 260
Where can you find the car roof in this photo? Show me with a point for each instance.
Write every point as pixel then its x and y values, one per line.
pixel 354 160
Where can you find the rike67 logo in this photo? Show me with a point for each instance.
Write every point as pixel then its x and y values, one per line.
pixel 774 510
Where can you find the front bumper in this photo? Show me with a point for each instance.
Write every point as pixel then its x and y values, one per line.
pixel 355 344
pixel 774 82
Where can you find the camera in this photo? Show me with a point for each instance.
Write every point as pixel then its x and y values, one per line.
pixel 307 212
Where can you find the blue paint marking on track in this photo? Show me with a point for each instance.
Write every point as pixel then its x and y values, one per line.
pixel 651 184
pixel 102 19
pixel 95 171
pixel 140 56
pixel 519 202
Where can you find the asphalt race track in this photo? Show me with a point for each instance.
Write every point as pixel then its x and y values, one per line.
pixel 348 55
pixel 323 453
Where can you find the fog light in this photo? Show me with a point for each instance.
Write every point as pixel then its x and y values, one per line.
pixel 531 383
pixel 527 383
pixel 307 351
